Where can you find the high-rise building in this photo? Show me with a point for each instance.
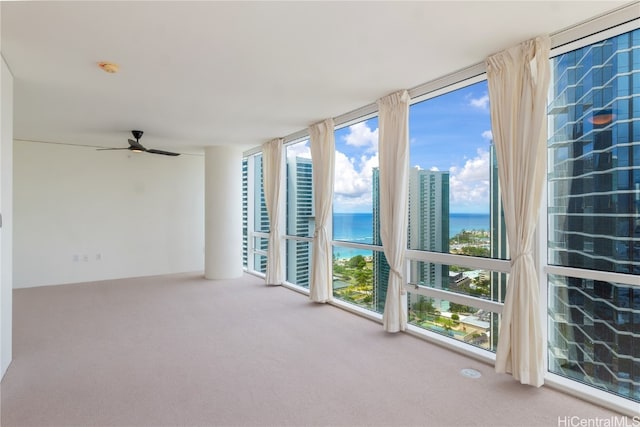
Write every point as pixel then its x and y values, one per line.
pixel 429 224
pixel 428 230
pixel 429 227
pixel 499 244
pixel 300 218
pixel 594 218
pixel 380 265
pixel 245 212
pixel 261 216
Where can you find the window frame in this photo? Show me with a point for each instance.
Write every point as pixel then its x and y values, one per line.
pixel 446 85
pixel 288 238
pixel 252 234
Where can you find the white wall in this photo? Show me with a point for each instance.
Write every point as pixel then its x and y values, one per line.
pixel 87 215
pixel 6 208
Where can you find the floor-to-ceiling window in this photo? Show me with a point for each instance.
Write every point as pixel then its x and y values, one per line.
pixel 245 213
pixel 300 212
pixel 594 215
pixel 455 217
pixel 359 269
pixel 255 220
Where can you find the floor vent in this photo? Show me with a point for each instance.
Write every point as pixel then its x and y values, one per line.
pixel 470 373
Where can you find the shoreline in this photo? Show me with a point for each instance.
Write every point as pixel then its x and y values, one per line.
pixel 368 253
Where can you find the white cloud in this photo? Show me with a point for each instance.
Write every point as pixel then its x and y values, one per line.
pixel 469 185
pixel 367 164
pixel 343 204
pixel 348 181
pixel 353 175
pixel 488 135
pixel 353 181
pixel 482 102
pixel 300 149
pixel 360 135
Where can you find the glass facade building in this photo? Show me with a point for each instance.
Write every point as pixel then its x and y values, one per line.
pixel 380 264
pixel 245 212
pixel 428 230
pixel 499 244
pixel 429 224
pixel 594 214
pixel 254 216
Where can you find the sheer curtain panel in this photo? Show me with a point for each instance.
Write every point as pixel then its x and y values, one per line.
pixel 518 81
pixel 393 151
pixel 272 177
pixel 322 160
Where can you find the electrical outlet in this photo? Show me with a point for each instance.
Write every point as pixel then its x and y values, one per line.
pixel 76 258
pixel 98 257
pixel 85 258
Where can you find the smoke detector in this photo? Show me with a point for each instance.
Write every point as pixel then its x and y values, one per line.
pixel 109 67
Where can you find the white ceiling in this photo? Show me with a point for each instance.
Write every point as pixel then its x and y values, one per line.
pixel 194 74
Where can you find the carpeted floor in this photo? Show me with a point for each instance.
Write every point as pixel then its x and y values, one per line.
pixel 183 351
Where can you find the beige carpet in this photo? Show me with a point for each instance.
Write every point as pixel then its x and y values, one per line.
pixel 181 350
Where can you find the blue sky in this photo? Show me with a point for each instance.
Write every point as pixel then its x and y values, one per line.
pixel 446 129
pixel 450 132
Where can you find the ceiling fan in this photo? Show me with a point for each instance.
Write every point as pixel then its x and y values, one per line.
pixel 135 146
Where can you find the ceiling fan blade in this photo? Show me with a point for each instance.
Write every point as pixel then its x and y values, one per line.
pixel 166 153
pixel 136 146
pixel 108 149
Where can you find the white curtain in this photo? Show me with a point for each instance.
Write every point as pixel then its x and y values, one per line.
pixel 393 152
pixel 518 83
pixel 272 178
pixel 322 160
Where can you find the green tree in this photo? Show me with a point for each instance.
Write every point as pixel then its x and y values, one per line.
pixel 362 277
pixel 482 282
pixel 358 262
pixel 459 308
pixel 424 306
pixel 475 251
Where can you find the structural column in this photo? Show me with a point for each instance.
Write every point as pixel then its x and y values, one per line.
pixel 6 209
pixel 223 212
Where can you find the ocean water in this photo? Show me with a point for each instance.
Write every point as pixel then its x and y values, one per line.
pixel 354 227
pixel 468 221
pixel 358 228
